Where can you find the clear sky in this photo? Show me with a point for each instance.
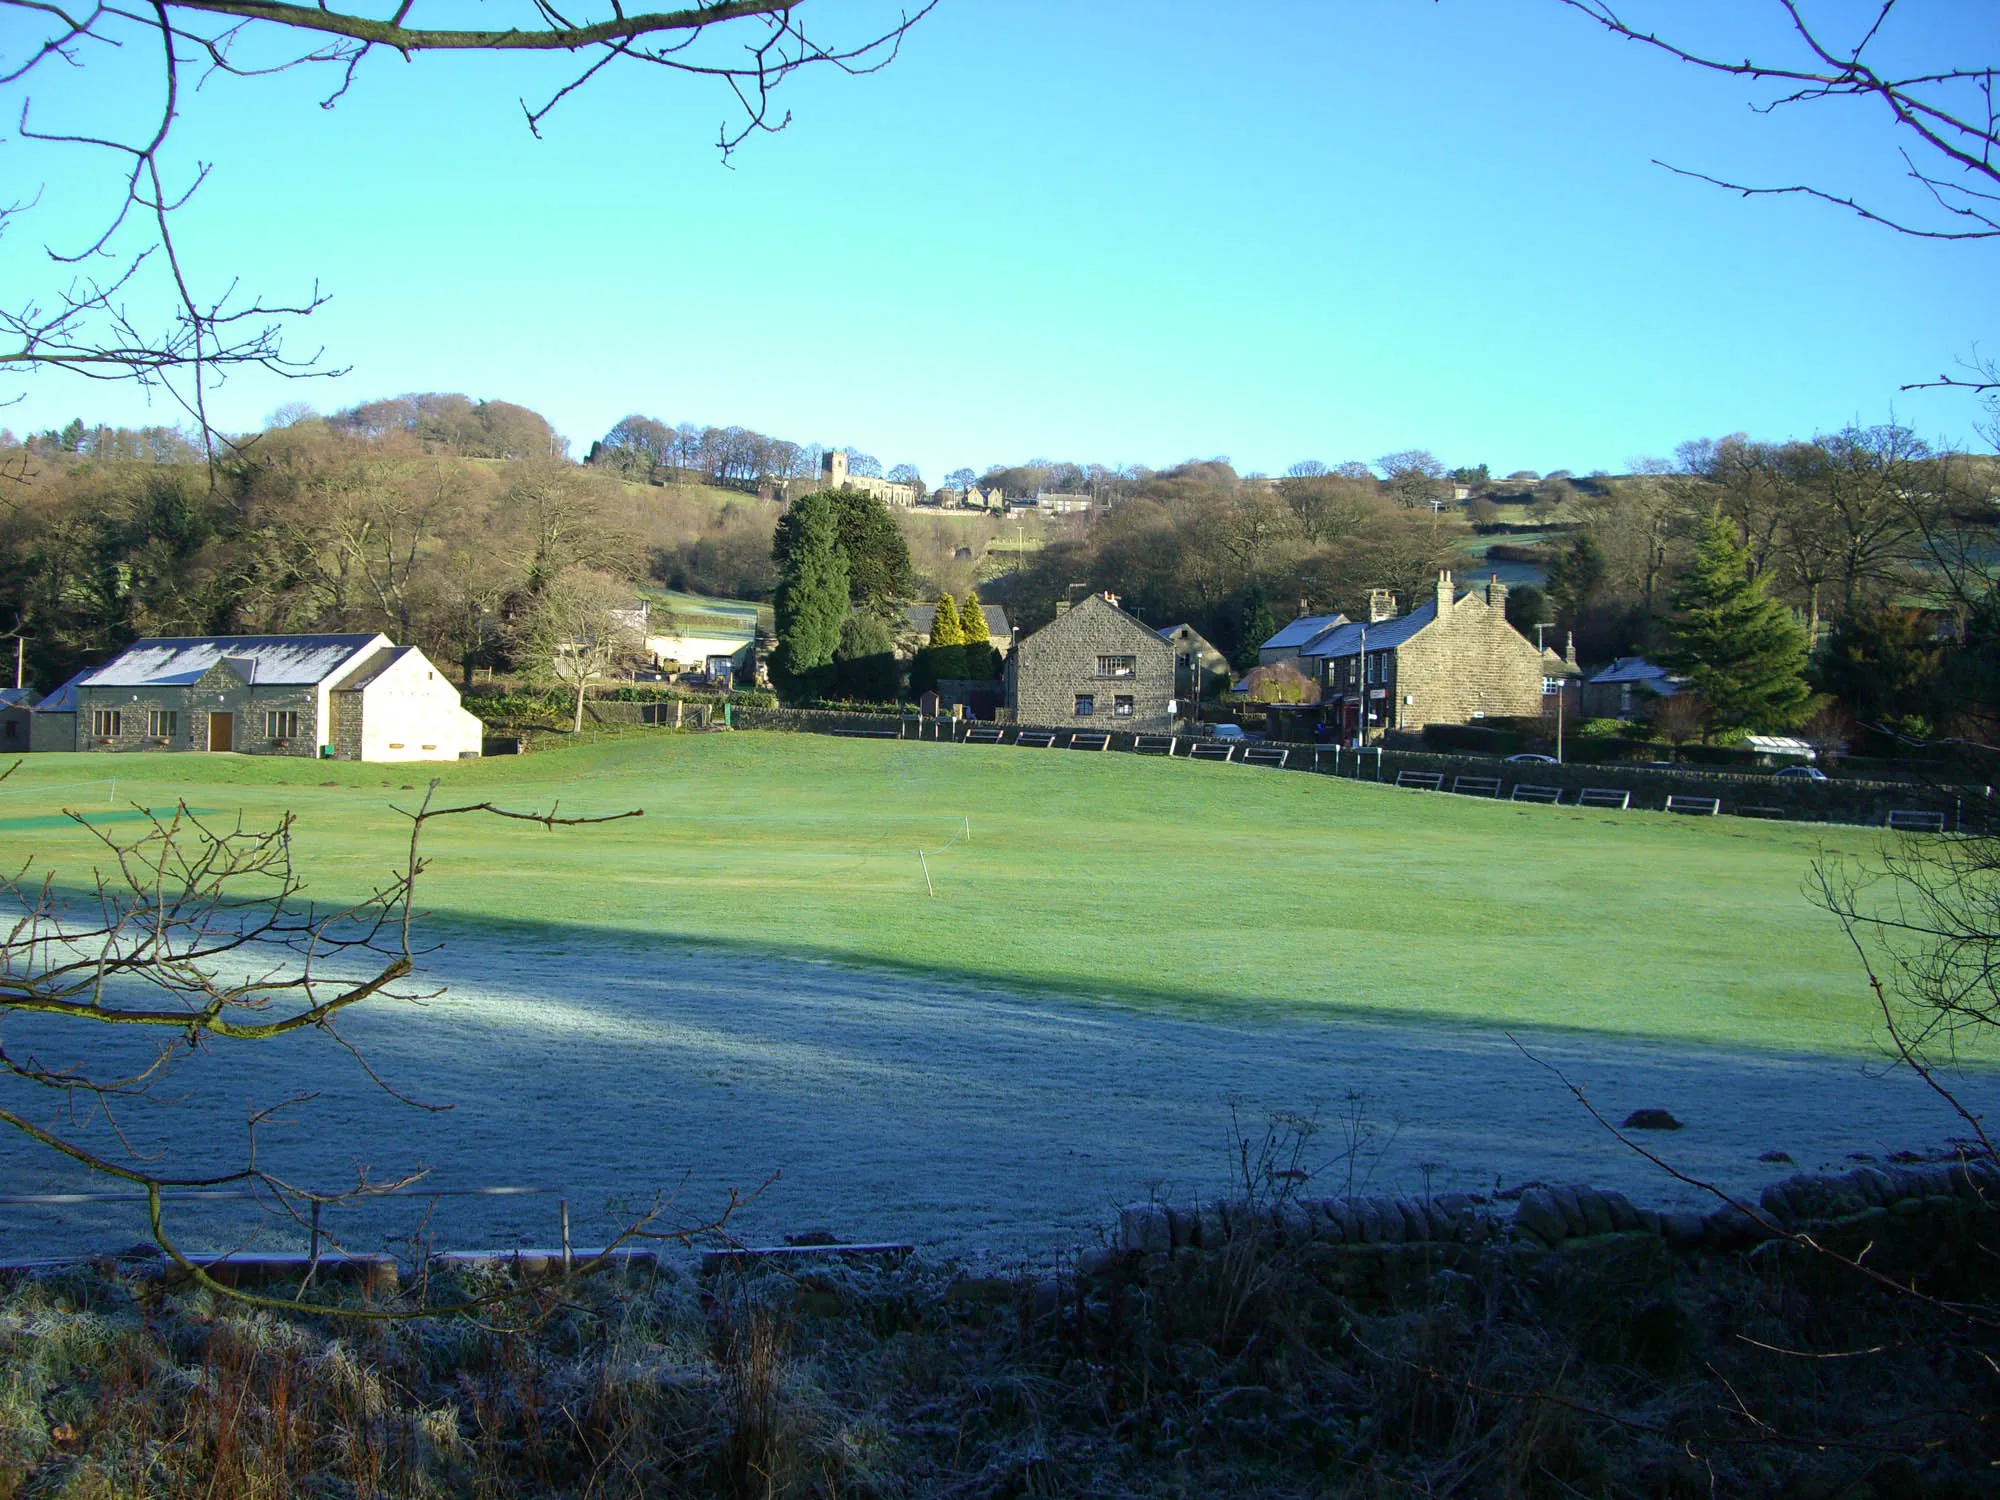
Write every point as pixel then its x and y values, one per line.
pixel 1111 231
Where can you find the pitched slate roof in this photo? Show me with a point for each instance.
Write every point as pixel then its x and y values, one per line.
pixel 17 697
pixel 1631 669
pixel 63 699
pixel 176 661
pixel 1301 630
pixel 368 668
pixel 1383 635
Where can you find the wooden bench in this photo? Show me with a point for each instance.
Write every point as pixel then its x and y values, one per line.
pixel 1475 786
pixel 1604 796
pixel 985 734
pixel 1154 744
pixel 1525 791
pixel 1035 739
pixel 1210 750
pixel 1266 755
pixel 1420 781
pixel 1091 739
pixel 1700 807
pixel 1911 820
pixel 870 734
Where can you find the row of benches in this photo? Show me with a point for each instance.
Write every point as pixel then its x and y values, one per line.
pixel 1904 820
pixel 1615 799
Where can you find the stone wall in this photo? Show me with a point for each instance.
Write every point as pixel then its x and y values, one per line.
pixel 1543 1218
pixel 1741 794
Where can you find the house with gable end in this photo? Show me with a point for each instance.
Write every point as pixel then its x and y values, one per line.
pixel 1093 667
pixel 1452 660
pixel 341 697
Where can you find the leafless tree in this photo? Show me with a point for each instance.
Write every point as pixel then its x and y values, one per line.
pixel 129 305
pixel 199 937
pixel 1939 109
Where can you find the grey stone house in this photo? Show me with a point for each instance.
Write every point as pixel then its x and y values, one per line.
pixel 1093 667
pixel 1453 659
pixel 344 697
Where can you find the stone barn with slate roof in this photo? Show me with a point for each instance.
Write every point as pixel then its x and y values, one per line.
pixel 342 697
pixel 1093 667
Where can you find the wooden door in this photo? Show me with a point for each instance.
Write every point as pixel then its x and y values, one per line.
pixel 222 731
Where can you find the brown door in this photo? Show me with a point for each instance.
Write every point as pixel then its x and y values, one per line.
pixel 222 731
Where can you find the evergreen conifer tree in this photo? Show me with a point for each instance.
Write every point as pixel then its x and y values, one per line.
pixel 812 597
pixel 1741 651
pixel 982 662
pixel 944 624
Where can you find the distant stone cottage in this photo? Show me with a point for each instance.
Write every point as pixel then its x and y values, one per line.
pixel 1093 667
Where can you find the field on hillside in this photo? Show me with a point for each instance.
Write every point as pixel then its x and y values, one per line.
pixel 1209 889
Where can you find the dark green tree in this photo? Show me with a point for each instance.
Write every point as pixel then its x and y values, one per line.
pixel 1887 665
pixel 981 660
pixel 72 436
pixel 1527 607
pixel 1256 625
pixel 1575 578
pixel 1741 651
pixel 865 669
pixel 812 596
pixel 878 557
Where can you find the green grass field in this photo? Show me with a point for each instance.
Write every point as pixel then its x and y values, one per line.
pixel 1221 888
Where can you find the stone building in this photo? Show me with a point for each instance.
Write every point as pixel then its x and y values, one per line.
pixel 1628 688
pixel 16 717
pixel 1451 660
pixel 833 475
pixel 1093 667
pixel 341 697
pixel 1197 663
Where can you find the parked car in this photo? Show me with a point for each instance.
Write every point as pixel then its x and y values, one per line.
pixel 1800 773
pixel 1529 758
pixel 1227 732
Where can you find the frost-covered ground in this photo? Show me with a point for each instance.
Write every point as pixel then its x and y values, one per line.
pixel 965 1120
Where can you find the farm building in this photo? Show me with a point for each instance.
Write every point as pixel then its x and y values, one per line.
pixel 16 718
pixel 1625 688
pixel 1093 667
pixel 342 697
pixel 1451 660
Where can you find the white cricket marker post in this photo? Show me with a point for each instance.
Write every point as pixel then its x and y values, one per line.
pixel 927 873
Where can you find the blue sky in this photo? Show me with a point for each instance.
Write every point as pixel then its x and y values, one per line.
pixel 1115 231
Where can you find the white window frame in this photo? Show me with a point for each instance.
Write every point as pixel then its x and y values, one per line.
pixel 1110 666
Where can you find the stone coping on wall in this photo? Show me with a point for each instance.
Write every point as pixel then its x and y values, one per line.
pixel 1545 1217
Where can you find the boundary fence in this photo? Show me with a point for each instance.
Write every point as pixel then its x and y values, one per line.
pixel 1902 806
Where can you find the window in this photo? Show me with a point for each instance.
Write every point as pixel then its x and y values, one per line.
pixel 1086 705
pixel 1117 666
pixel 105 723
pixel 162 724
pixel 281 723
pixel 1551 685
pixel 1121 706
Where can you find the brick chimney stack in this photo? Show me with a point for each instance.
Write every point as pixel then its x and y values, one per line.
pixel 1381 605
pixel 1447 593
pixel 1496 592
